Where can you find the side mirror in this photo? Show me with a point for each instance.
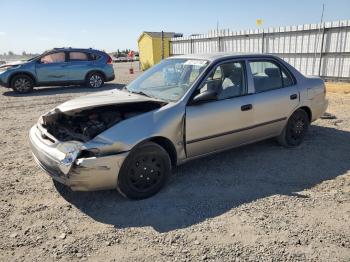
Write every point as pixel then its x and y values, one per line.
pixel 208 95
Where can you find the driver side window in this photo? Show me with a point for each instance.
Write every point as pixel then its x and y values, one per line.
pixel 227 80
pixel 59 57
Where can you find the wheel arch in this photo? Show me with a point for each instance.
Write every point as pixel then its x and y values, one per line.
pixel 13 75
pixel 164 143
pixel 308 111
pixel 96 71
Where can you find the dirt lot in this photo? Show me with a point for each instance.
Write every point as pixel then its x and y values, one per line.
pixel 257 203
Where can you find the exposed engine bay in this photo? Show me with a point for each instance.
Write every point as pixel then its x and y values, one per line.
pixel 86 124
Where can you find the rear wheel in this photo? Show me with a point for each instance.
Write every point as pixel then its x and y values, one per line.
pixel 294 132
pixel 144 172
pixel 95 80
pixel 22 84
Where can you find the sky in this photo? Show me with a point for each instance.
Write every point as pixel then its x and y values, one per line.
pixel 38 25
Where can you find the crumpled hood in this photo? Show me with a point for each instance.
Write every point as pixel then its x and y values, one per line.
pixel 110 97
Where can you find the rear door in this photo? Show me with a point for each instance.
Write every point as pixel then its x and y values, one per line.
pixel 52 68
pixel 276 96
pixel 79 64
pixel 222 123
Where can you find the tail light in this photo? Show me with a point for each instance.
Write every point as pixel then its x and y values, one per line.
pixel 109 61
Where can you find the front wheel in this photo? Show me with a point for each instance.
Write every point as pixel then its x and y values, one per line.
pixel 144 171
pixel 294 132
pixel 95 80
pixel 22 84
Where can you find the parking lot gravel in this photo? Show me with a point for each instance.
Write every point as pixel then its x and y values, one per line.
pixel 260 202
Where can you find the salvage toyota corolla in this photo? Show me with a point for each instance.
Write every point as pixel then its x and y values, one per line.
pixel 183 108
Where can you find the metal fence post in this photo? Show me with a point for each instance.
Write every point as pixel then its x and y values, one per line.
pixel 321 51
pixel 191 45
pixel 262 41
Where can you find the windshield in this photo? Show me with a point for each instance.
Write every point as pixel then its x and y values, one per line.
pixel 168 80
pixel 35 57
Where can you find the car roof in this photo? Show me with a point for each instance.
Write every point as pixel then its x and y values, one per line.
pixel 220 55
pixel 75 49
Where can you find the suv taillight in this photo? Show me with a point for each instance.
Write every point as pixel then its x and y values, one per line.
pixel 109 61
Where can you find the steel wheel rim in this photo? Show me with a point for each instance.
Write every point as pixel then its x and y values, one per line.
pixel 22 84
pixel 95 81
pixel 297 128
pixel 146 173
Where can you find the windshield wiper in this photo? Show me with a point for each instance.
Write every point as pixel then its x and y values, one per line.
pixel 139 93
pixel 144 94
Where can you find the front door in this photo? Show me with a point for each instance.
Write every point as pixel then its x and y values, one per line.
pixel 52 68
pixel 223 123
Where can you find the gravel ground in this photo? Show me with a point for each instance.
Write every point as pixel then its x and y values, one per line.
pixel 257 203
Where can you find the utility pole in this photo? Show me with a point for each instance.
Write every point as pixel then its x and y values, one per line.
pixel 322 41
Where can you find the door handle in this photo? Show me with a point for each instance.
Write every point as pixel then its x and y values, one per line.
pixel 294 96
pixel 246 107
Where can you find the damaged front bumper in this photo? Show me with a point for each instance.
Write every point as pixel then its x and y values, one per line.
pixel 61 161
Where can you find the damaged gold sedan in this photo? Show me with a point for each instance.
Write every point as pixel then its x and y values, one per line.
pixel 183 108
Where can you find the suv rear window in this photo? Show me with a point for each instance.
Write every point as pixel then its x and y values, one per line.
pixel 78 56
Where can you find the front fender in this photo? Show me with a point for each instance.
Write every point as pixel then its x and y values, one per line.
pixel 167 122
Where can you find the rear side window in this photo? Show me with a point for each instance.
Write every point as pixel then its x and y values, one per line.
pixel 78 56
pixel 94 57
pixel 269 76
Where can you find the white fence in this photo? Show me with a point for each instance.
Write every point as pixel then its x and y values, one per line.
pixel 314 49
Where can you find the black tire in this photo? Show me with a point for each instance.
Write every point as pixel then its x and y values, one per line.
pixel 144 172
pixel 95 80
pixel 22 84
pixel 295 130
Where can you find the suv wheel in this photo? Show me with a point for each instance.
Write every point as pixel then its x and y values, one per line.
pixel 294 132
pixel 95 80
pixel 22 84
pixel 144 171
